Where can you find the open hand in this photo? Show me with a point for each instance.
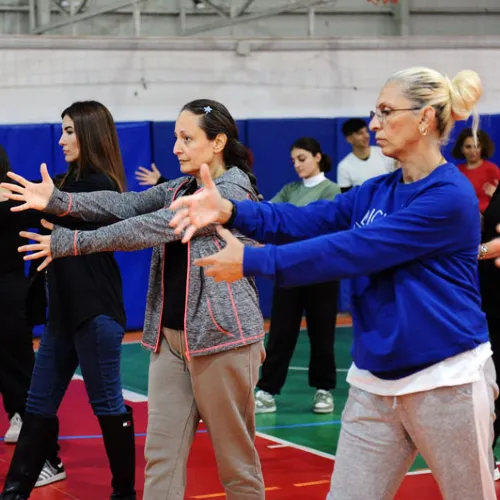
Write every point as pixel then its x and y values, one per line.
pixel 147 177
pixel 200 209
pixel 34 195
pixel 41 247
pixel 490 188
pixel 226 265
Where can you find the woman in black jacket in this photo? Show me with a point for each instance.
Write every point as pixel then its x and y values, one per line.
pixel 16 355
pixel 86 321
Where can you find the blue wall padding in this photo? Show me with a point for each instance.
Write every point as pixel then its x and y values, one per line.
pixel 145 142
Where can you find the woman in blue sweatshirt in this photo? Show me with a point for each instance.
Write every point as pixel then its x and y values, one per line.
pixel 422 379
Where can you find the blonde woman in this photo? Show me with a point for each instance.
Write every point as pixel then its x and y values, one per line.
pixel 422 379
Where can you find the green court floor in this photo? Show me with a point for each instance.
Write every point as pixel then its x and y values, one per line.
pixel 294 420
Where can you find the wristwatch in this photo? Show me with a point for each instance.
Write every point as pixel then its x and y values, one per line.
pixel 483 250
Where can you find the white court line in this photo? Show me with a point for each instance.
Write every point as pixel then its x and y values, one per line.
pixel 304 369
pixel 135 397
pixel 318 453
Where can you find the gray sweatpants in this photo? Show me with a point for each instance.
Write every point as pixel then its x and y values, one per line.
pixel 219 388
pixel 451 427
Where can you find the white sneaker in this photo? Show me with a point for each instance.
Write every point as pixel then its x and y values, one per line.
pixel 12 434
pixel 323 402
pixel 264 402
pixel 50 474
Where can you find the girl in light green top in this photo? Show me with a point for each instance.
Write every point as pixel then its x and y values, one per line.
pixel 318 301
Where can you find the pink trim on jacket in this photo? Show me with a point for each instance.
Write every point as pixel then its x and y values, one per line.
pixel 75 246
pixel 70 203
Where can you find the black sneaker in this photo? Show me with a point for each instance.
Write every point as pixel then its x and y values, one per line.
pixel 51 473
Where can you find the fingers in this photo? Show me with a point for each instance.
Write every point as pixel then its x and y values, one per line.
pixel 20 208
pixel 154 169
pixel 206 178
pixel 47 225
pixel 188 234
pixel 182 202
pixel 225 234
pixel 179 217
pixel 141 170
pixel 15 188
pixel 44 264
pixel 31 236
pixel 37 255
pixel 45 173
pixel 18 178
pixel 210 260
pixel 32 247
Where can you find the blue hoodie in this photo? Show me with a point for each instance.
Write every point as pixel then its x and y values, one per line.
pixel 410 250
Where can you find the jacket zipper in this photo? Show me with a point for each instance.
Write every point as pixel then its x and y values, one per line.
pixel 160 334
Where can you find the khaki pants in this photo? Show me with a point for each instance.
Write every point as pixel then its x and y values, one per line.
pixel 219 388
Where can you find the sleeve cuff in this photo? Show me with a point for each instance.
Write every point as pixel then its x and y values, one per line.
pixel 59 203
pixel 260 261
pixel 63 242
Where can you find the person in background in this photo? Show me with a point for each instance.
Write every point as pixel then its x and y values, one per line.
pixel 16 354
pixel 483 174
pixel 489 280
pixel 86 320
pixel 365 161
pixel 319 301
pixel 151 177
pixel 19 314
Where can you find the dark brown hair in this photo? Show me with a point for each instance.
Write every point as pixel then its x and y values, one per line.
pixel 313 146
pixel 4 164
pixel 487 145
pixel 215 119
pixel 99 147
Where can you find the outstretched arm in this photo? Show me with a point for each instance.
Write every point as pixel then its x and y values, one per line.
pixel 427 227
pixel 106 206
pixel 424 228
pixel 265 222
pixel 98 206
pixel 280 223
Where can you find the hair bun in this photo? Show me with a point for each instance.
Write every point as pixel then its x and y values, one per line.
pixel 465 90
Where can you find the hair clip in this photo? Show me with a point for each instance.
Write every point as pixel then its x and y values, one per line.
pixel 207 109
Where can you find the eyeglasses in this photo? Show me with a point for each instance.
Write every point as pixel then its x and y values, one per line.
pixel 383 114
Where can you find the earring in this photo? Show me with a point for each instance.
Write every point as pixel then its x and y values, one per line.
pixel 423 130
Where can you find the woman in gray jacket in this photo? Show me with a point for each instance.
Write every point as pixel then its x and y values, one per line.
pixel 206 338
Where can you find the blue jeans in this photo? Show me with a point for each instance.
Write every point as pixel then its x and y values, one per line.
pixel 96 346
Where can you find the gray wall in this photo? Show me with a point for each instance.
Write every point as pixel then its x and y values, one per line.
pixel 343 18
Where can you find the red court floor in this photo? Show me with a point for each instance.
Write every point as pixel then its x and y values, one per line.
pixel 290 473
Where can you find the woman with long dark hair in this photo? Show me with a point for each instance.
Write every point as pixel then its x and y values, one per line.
pixel 86 320
pixel 206 338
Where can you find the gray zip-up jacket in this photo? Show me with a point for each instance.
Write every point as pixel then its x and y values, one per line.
pixel 218 316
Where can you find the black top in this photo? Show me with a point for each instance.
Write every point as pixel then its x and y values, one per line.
pixel 489 273
pixel 83 287
pixel 175 269
pixel 13 281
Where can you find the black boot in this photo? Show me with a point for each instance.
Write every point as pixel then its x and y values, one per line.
pixel 119 441
pixel 37 436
